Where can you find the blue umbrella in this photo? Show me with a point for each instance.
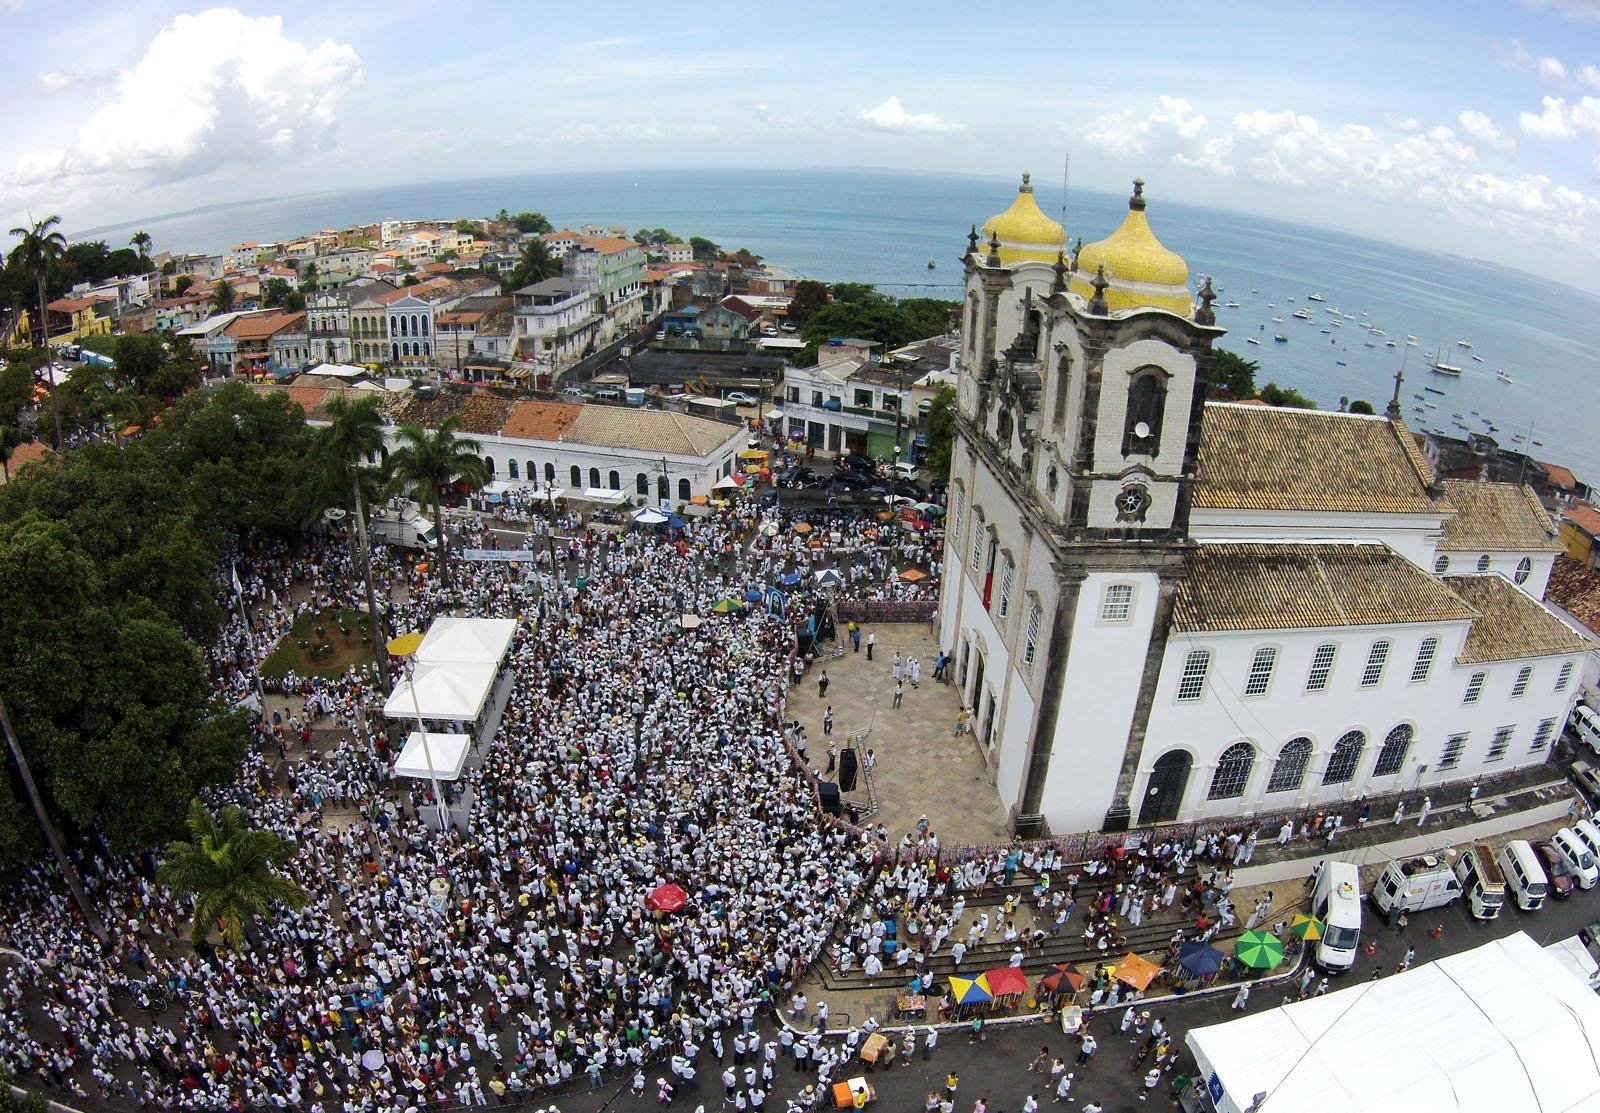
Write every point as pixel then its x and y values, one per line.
pixel 789 579
pixel 1200 959
pixel 753 595
pixel 677 521
pixel 492 499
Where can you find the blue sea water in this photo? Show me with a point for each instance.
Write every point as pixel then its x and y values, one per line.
pixel 882 227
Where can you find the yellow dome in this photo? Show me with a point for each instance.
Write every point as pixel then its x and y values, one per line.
pixel 1025 233
pixel 1141 271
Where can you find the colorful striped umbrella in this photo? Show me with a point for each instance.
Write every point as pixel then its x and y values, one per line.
pixel 1259 950
pixel 971 991
pixel 1306 927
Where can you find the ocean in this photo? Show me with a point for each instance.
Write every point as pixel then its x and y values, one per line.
pixel 884 228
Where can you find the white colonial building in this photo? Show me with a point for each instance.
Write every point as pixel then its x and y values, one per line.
pixel 1167 610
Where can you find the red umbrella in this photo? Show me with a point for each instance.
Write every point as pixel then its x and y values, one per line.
pixel 1004 980
pixel 666 898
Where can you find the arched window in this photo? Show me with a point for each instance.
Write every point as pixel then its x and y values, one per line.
pixel 400 326
pixel 683 489
pixel 511 469
pixel 1393 754
pixel 532 471
pixel 488 462
pixel 550 474
pixel 427 347
pixel 972 318
pixel 641 484
pixel 594 477
pixel 1147 401
pixel 424 326
pixel 1233 772
pixel 577 476
pixel 1524 570
pixel 614 481
pixel 1483 563
pixel 1346 755
pixel 1290 768
pixel 663 488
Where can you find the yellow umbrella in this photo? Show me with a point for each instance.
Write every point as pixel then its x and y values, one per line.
pixel 1306 927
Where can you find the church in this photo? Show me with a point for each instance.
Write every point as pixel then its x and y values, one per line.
pixel 1163 609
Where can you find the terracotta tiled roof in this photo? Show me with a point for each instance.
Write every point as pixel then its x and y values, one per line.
pixel 74 305
pixel 606 245
pixel 1273 458
pixel 308 398
pixel 259 326
pixel 1307 586
pixel 428 412
pixel 33 452
pixel 540 421
pixel 483 414
pixel 1586 518
pixel 1575 589
pixel 1560 476
pixel 649 430
pixel 1496 518
pixel 1511 624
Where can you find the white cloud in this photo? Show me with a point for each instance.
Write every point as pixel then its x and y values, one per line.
pixel 1552 69
pixel 1485 131
pixel 55 81
pixel 1561 120
pixel 1438 171
pixel 211 90
pixel 1577 9
pixel 1589 75
pixel 891 115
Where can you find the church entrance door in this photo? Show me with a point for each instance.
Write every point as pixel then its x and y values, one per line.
pixel 1164 792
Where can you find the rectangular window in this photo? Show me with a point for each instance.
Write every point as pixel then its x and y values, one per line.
pixel 1377 657
pixel 1541 737
pixel 1454 746
pixel 1500 744
pixel 955 515
pixel 1321 666
pixel 1260 677
pixel 816 398
pixel 977 542
pixel 863 399
pixel 1564 677
pixel 1030 646
pixel 1192 684
pixel 1520 688
pixel 1008 573
pixel 1424 663
pixel 1117 603
pixel 1474 689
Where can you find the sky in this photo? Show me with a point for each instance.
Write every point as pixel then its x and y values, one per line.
pixel 1470 128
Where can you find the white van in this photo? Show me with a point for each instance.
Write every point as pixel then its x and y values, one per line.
pixel 1586 724
pixel 1589 835
pixel 1481 881
pixel 1525 877
pixel 1336 901
pixel 1578 857
pixel 1416 885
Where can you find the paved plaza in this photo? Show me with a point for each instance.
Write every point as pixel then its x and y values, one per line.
pixel 924 767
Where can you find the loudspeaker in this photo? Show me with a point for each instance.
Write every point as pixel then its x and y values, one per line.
pixel 829 794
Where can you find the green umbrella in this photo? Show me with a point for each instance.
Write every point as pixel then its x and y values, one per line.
pixel 1259 950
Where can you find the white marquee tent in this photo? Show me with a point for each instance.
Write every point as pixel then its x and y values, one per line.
pixel 454 691
pixel 472 641
pixel 448 752
pixel 1504 1026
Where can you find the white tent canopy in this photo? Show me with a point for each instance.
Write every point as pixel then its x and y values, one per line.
pixel 447 751
pixel 472 641
pixel 453 691
pixel 1503 1026
pixel 605 496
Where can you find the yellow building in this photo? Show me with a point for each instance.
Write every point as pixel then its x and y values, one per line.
pixel 74 318
pixel 1580 525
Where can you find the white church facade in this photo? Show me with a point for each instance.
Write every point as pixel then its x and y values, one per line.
pixel 1166 610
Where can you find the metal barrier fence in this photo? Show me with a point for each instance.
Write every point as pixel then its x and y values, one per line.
pixel 887 610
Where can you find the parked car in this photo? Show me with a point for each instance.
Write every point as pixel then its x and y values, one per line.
pixel 857 462
pixel 572 391
pixel 1588 778
pixel 788 326
pixel 1562 881
pixel 743 398
pixel 661 334
pixel 769 331
pixel 905 471
pixel 910 491
pixel 851 480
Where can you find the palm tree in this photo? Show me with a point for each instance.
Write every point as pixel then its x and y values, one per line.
pixel 222 297
pixel 228 868
pixel 536 265
pixel 355 432
pixel 141 242
pixel 428 464
pixel 69 872
pixel 36 249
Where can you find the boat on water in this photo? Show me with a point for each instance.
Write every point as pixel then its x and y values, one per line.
pixel 1272 305
pixel 1431 405
pixel 1302 314
pixel 1463 343
pixel 1419 397
pixel 1313 297
pixel 1377 331
pixel 1334 309
pixel 1368 344
pixel 1251 340
pixel 1411 343
pixel 1277 320
pixel 1538 444
pixel 930 264
pixel 1281 339
pixel 1433 390
pixel 1477 357
pixel 1390 344
pixel 1340 363
pixel 1502 376
pixel 1255 291
pixel 1410 337
pixel 1230 305
pixel 1327 332
pixel 1446 369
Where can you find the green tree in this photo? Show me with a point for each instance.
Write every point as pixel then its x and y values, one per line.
pixel 223 297
pixel 354 433
pixel 1231 375
pixel 704 249
pixel 1274 395
pixel 941 431
pixel 808 299
pixel 427 465
pixel 854 292
pixel 468 228
pixel 532 223
pixel 308 279
pixel 1362 406
pixel 228 869
pixel 745 257
pixel 276 293
pixel 927 317
pixel 39 246
pixel 142 243
pixel 535 265
pixel 169 267
pixel 181 284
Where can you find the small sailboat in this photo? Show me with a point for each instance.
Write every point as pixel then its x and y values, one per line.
pixel 930 264
pixel 1464 344
pixel 1502 376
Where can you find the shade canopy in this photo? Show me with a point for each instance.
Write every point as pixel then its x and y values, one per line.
pixel 971 991
pixel 666 898
pixel 1502 1026
pixel 455 691
pixel 650 516
pixel 1200 959
pixel 448 754
pixel 728 483
pixel 1004 980
pixel 828 577
pixel 1136 971
pixel 1052 983
pixel 604 496
pixel 475 641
